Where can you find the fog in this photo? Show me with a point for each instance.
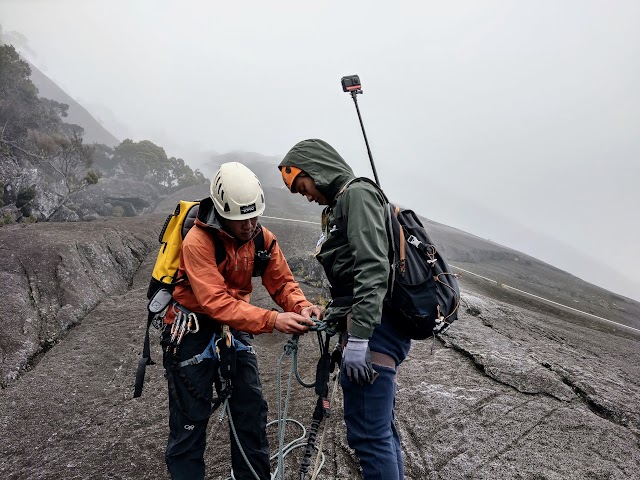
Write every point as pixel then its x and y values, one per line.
pixel 516 121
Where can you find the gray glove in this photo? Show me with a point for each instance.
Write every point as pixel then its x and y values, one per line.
pixel 356 361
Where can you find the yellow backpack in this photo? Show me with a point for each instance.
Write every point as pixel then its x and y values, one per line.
pixel 173 232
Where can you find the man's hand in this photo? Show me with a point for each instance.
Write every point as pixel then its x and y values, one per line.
pixel 356 361
pixel 292 323
pixel 311 311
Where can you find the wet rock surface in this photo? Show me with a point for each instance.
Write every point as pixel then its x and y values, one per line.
pixel 514 389
pixel 54 274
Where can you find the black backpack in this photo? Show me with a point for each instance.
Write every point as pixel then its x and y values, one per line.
pixel 423 296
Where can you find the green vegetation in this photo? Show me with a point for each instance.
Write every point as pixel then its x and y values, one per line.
pixel 6 219
pixel 33 133
pixel 25 195
pixel 322 301
pixel 92 177
pixel 146 161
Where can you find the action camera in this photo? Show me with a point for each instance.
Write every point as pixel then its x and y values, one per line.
pixel 351 83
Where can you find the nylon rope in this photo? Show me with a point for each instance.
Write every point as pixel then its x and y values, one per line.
pixel 317 467
pixel 290 349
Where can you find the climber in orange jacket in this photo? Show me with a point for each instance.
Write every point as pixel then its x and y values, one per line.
pixel 218 294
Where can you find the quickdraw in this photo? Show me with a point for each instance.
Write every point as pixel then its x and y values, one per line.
pixel 185 322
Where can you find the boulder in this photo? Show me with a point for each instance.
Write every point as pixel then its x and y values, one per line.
pixel 9 194
pixel 64 214
pixel 135 197
pixel 88 216
pixel 308 270
pixel 18 176
pixel 10 214
pixel 128 210
pixel 105 210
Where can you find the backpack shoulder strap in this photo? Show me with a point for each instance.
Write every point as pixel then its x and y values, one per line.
pixel 258 240
pixel 361 179
pixel 262 255
pixel 221 252
pixel 145 359
pixel 337 208
pixel 190 219
pixel 391 214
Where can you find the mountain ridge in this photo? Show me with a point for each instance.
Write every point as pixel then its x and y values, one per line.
pixel 94 131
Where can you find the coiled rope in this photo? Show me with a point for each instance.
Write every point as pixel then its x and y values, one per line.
pixel 290 350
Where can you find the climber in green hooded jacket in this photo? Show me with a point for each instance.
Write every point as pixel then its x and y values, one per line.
pixel 354 253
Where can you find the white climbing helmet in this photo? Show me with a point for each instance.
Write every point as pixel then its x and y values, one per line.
pixel 236 192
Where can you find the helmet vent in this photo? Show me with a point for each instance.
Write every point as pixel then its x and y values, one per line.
pixel 226 207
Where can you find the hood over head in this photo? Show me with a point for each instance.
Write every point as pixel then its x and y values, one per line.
pixel 321 162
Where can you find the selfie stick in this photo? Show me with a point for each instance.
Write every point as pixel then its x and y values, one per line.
pixel 352 85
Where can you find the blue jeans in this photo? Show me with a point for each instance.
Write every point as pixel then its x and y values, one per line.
pixel 368 410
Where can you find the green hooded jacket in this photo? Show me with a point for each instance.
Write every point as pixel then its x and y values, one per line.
pixel 355 257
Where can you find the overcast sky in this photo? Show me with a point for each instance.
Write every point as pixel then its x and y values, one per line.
pixel 517 120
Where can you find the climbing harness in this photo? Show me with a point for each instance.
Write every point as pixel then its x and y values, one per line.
pixel 212 350
pixel 222 349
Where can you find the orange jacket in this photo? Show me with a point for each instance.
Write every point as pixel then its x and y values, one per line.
pixel 222 292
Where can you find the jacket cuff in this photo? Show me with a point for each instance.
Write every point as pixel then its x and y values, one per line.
pixel 298 308
pixel 271 321
pixel 360 331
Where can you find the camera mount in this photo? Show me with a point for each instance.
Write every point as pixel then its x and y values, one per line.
pixel 351 84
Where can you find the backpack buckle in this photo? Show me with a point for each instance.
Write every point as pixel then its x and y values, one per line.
pixel 414 241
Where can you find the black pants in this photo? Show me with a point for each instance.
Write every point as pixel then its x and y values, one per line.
pixel 190 400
